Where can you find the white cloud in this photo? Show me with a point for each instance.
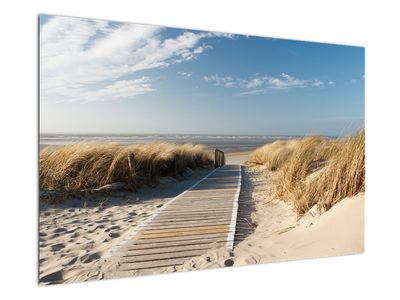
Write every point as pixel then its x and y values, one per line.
pixel 185 74
pixel 120 90
pixel 221 34
pixel 82 57
pixel 255 82
pixel 285 81
pixel 226 81
pixel 259 84
pixel 252 92
pixel 317 82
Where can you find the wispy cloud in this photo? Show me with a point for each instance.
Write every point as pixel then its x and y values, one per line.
pixel 185 74
pixel 218 80
pixel 259 84
pixel 83 59
pixel 121 89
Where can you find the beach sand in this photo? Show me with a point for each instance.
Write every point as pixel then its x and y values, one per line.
pixel 237 158
pixel 77 235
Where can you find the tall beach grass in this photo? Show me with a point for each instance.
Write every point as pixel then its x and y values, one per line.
pixel 92 165
pixel 315 171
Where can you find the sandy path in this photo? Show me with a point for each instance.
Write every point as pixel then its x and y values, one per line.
pixel 237 158
pixel 76 235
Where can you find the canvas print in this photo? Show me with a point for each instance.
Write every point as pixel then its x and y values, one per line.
pixel 167 150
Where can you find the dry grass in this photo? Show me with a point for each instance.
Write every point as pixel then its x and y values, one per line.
pixel 344 176
pixel 91 165
pixel 315 171
pixel 273 155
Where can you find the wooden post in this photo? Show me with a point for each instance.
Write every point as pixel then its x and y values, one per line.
pixel 219 158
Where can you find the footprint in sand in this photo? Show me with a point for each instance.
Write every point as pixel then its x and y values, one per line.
pixel 75 234
pixel 57 247
pixel 72 230
pixel 72 261
pixel 60 230
pixel 104 220
pixel 56 235
pixel 229 262
pixel 87 258
pixel 112 228
pixel 98 227
pixel 114 235
pixel 52 277
pixel 132 214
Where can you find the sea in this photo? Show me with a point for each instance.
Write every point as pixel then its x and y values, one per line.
pixel 227 143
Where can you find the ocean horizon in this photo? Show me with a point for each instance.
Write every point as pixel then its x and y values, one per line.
pixel 225 142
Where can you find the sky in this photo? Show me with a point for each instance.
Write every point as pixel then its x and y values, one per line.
pixel 99 76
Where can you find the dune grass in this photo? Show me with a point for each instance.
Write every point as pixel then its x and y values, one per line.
pixel 85 166
pixel 273 155
pixel 314 171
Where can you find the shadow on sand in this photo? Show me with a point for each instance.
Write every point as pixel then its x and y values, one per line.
pixel 244 224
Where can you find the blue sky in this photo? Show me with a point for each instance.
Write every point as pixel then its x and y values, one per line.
pixel 108 77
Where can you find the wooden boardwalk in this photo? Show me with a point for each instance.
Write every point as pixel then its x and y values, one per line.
pixel 202 217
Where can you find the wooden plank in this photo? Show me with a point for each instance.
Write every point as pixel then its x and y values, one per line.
pixel 161 256
pixel 202 208
pixel 185 219
pixel 191 220
pixel 182 233
pixel 199 206
pixel 186 224
pixel 202 203
pixel 212 192
pixel 193 215
pixel 186 211
pixel 166 245
pixel 153 264
pixel 196 198
pixel 177 248
pixel 188 238
pixel 196 228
